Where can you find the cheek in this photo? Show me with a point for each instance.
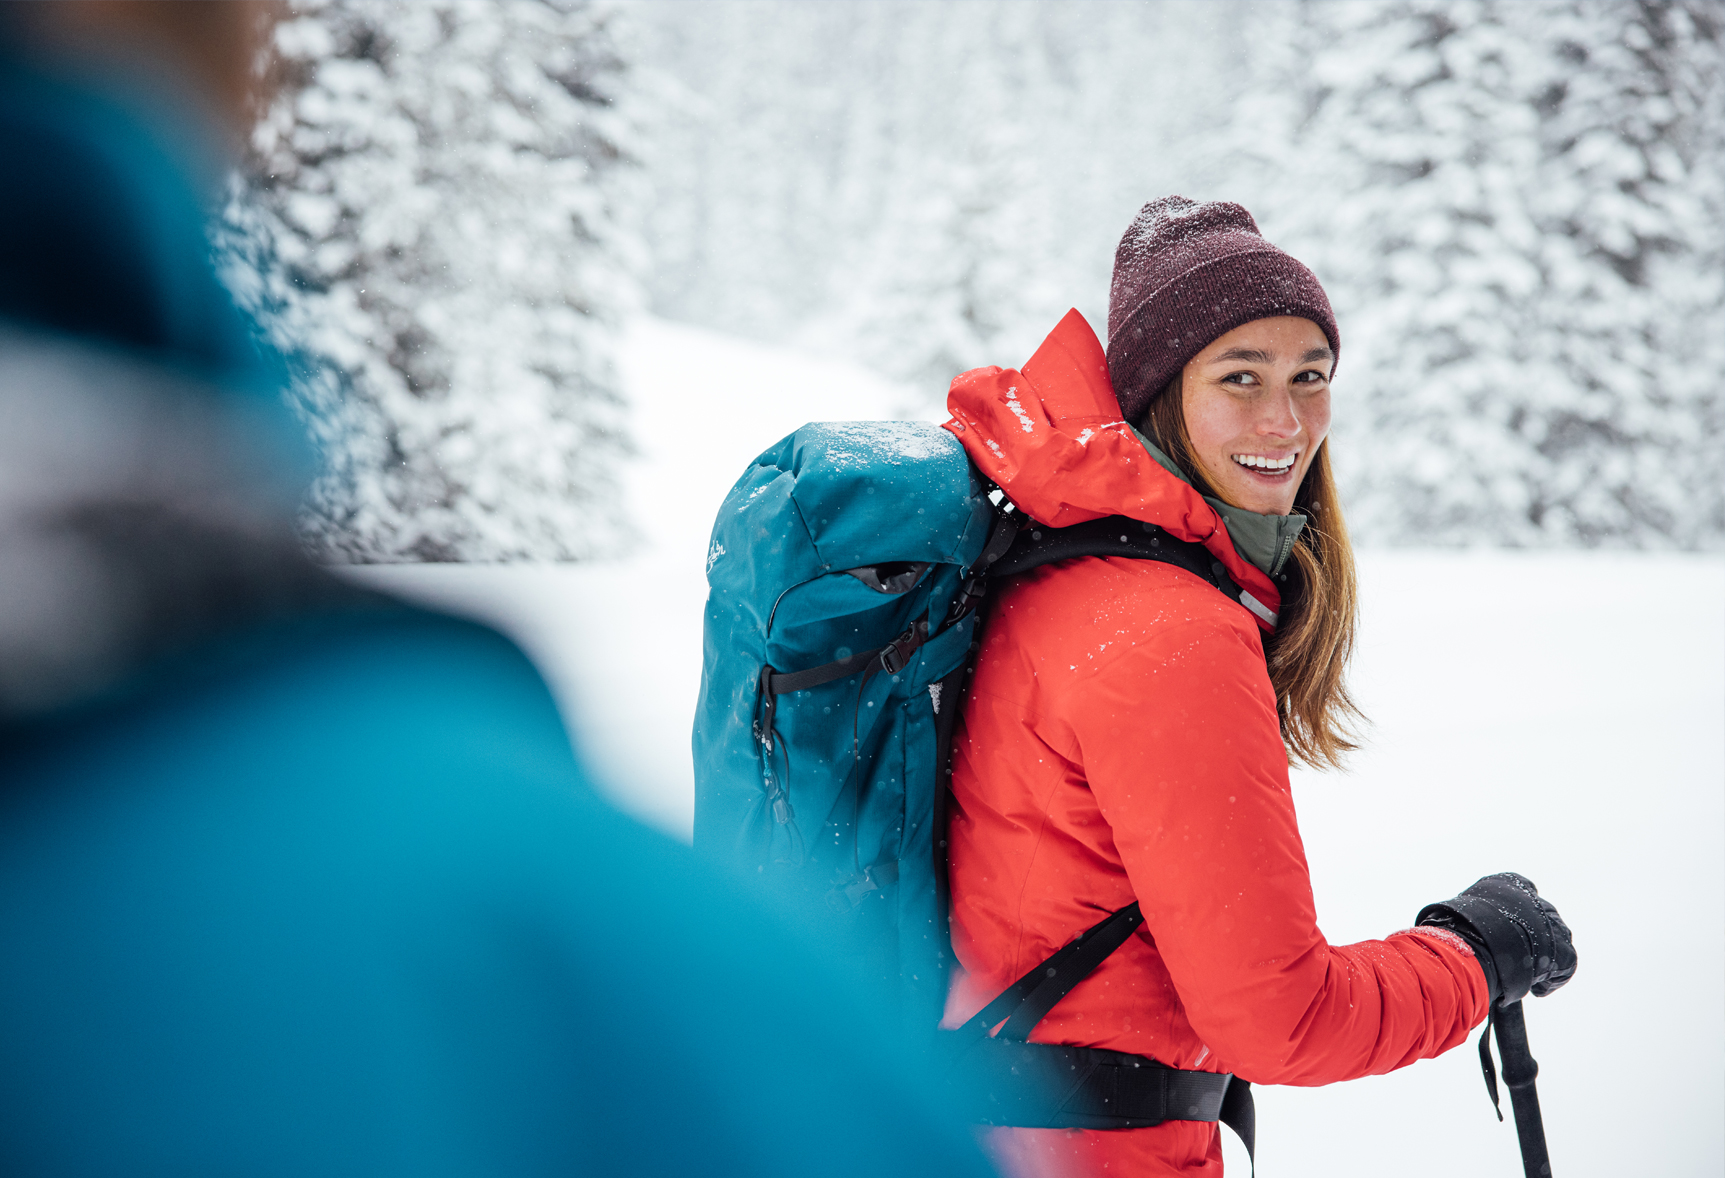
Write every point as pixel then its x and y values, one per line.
pixel 1212 424
pixel 1317 418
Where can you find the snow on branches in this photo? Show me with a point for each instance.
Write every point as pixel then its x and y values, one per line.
pixel 429 229
pixel 1517 208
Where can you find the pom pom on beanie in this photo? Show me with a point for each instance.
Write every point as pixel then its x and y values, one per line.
pixel 1187 272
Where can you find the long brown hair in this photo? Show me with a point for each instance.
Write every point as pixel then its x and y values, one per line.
pixel 1308 654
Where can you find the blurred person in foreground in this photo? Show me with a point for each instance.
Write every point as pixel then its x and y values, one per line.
pixel 295 879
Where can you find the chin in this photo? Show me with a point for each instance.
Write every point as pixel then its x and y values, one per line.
pixel 1254 499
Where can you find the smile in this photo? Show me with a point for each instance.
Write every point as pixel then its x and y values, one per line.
pixel 1266 463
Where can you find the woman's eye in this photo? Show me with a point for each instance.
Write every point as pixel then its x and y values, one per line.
pixel 1312 376
pixel 1240 378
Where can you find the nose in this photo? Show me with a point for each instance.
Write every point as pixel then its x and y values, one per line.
pixel 1279 418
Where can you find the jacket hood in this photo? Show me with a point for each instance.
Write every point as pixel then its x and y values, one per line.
pixel 1051 436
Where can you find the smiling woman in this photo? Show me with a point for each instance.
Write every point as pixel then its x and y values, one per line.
pixel 1123 753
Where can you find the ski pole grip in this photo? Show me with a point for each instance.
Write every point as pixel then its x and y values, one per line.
pixel 1519 1070
pixel 1519 1067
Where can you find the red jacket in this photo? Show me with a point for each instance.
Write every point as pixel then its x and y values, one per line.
pixel 1120 743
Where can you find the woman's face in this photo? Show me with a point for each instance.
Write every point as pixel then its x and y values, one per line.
pixel 1257 404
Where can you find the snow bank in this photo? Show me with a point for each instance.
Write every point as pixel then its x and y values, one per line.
pixel 1560 714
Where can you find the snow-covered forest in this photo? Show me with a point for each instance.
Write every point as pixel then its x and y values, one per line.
pixel 1518 207
pixel 432 227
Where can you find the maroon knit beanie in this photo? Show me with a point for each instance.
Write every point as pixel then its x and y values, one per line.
pixel 1186 273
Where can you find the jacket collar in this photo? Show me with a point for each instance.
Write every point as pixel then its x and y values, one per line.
pixel 1051 437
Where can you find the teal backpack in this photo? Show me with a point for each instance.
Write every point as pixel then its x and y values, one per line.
pixel 844 575
pixel 836 621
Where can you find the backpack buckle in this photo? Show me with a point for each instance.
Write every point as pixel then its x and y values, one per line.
pixel 847 895
pixel 895 655
pixel 769 707
pixel 973 592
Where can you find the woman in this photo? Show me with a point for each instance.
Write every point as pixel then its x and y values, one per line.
pixel 1129 729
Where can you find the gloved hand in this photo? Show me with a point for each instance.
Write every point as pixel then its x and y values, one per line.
pixel 1517 935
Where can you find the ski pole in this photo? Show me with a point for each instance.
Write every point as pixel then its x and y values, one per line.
pixel 1519 1071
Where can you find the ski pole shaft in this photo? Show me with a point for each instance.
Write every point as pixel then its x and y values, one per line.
pixel 1519 1071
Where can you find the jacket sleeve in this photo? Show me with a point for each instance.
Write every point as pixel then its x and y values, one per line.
pixel 1182 750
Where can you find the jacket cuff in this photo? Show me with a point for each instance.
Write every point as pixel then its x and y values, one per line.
pixel 1440 918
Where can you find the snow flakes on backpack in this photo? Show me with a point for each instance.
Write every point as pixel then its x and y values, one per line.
pixel 844 549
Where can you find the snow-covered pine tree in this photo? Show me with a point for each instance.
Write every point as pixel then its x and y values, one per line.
pixel 431 227
pixel 1517 207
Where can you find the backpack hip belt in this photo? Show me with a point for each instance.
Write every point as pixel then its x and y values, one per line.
pixel 1004 1079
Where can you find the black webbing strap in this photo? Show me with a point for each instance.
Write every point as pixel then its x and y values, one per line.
pixel 1023 1003
pixel 1114 535
pixel 1520 1070
pixel 1118 535
pixel 1240 1114
pixel 1001 534
pixel 890 658
pixel 1056 1086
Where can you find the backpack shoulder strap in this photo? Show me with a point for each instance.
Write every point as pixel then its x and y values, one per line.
pixel 1114 535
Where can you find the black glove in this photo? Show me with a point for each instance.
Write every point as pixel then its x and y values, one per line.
pixel 1518 937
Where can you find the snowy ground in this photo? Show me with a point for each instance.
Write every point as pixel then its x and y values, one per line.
pixel 1559 714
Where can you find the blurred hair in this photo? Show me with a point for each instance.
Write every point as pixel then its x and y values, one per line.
pixel 1308 653
pixel 218 47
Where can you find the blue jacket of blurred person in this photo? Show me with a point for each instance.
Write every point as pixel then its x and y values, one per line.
pixel 294 879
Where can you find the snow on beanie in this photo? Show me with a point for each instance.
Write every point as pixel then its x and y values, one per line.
pixel 1186 273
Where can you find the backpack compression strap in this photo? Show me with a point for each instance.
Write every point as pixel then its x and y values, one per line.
pixel 895 655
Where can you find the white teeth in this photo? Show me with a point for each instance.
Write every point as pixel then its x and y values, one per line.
pixel 1262 462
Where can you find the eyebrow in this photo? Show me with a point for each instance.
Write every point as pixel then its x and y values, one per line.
pixel 1249 355
pixel 1259 356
